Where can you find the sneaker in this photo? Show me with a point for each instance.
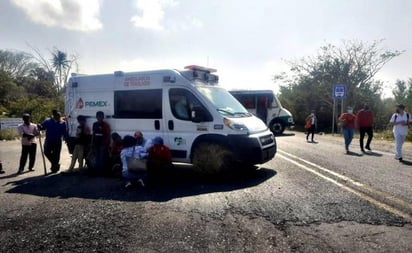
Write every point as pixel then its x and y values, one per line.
pixel 400 159
pixel 368 148
pixel 2 172
pixel 19 171
pixel 31 169
pixel 363 151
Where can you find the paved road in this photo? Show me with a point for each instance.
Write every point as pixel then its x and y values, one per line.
pixel 310 198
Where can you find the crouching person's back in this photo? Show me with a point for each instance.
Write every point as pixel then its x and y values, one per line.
pixel 130 154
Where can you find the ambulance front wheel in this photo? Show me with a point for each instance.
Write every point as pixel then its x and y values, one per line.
pixel 211 158
pixel 277 127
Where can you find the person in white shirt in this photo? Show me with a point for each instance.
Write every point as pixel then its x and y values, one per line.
pixel 400 121
pixel 28 131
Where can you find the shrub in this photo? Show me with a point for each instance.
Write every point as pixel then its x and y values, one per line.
pixel 8 134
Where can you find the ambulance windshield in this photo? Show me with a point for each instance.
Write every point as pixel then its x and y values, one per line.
pixel 224 102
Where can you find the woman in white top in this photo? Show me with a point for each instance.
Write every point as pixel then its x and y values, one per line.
pixel 400 121
pixel 132 149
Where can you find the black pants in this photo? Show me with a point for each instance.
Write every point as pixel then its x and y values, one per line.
pixel 369 132
pixel 52 151
pixel 30 151
pixel 310 130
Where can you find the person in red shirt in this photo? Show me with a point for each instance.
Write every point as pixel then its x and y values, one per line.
pixel 347 122
pixel 159 158
pixel 364 121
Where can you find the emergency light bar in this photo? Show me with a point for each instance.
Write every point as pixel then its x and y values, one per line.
pixel 200 68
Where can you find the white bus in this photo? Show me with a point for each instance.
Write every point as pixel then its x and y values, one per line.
pixel 213 123
pixel 266 106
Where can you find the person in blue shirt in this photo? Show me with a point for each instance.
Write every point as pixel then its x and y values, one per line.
pixel 56 131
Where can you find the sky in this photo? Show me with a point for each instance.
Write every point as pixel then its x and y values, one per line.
pixel 246 41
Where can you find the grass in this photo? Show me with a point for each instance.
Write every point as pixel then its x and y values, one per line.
pixel 8 134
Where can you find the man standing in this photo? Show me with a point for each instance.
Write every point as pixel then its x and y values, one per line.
pixel 27 131
pixel 364 121
pixel 55 131
pixel 400 121
pixel 100 142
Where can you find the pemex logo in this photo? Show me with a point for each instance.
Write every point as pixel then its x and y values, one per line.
pixel 79 104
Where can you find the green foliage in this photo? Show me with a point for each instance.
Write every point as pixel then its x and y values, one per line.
pixel 310 85
pixel 8 134
pixel 16 63
pixel 26 87
pixel 39 108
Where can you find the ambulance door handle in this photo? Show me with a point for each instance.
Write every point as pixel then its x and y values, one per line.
pixel 157 124
pixel 170 125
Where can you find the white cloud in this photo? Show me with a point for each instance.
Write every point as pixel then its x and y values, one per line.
pixel 77 15
pixel 152 16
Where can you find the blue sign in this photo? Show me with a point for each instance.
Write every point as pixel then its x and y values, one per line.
pixel 339 91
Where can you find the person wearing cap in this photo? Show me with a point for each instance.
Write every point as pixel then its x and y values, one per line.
pixel 159 157
pixel 400 121
pixel 27 131
pixel 56 131
pixel 364 121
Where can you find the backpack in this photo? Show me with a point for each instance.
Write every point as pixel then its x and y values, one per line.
pixel 308 124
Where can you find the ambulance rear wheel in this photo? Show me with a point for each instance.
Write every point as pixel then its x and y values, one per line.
pixel 212 158
pixel 277 127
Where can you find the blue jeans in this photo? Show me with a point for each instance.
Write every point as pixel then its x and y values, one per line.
pixel 348 135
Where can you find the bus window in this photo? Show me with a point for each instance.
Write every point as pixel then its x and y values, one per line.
pixel 248 101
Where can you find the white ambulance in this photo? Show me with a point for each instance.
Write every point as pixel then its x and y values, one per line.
pixel 200 122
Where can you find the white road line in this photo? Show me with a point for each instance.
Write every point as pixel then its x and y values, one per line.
pixel 358 193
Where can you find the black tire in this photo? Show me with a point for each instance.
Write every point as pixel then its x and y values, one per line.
pixel 212 158
pixel 277 127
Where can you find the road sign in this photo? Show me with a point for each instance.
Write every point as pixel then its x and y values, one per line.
pixel 339 91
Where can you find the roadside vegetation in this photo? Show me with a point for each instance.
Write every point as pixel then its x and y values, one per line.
pixel 309 84
pixel 32 83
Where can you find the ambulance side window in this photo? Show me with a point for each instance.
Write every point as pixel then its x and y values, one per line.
pixel 138 104
pixel 182 102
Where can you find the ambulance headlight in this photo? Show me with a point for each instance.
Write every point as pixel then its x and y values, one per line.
pixel 235 126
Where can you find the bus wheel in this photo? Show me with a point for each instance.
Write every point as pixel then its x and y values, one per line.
pixel 211 158
pixel 277 127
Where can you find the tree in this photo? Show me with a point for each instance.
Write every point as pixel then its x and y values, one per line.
pixel 60 65
pixel 309 87
pixel 15 63
pixel 9 91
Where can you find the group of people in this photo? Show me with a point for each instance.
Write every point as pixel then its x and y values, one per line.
pixel 102 151
pixel 363 121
